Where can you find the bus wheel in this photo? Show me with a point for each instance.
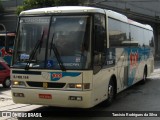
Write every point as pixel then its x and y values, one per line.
pixel 111 92
pixel 7 83
pixel 144 76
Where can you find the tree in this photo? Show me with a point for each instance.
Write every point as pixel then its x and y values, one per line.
pixel 1 8
pixel 31 4
pixel 66 2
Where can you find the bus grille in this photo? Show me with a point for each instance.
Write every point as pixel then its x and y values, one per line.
pixel 50 85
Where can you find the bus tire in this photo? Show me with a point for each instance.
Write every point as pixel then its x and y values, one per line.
pixel 143 81
pixel 111 92
pixel 7 83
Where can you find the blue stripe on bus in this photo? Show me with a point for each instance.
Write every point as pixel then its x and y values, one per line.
pixel 55 76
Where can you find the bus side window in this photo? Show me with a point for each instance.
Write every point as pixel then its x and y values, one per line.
pixel 119 34
pixel 99 39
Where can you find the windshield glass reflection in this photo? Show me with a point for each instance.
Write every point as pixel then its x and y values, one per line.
pixel 68 39
pixel 32 31
pixel 70 34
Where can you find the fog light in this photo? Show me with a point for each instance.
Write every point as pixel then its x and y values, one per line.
pixel 78 98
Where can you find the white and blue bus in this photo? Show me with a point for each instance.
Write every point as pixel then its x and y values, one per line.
pixel 78 56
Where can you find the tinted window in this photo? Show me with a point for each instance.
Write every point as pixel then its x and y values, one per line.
pixel 151 39
pixel 122 34
pixel 100 42
pixel 137 38
pixel 100 32
pixel 118 33
pixel 141 36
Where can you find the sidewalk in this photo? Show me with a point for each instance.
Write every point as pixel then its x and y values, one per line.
pixel 5 98
pixel 7 104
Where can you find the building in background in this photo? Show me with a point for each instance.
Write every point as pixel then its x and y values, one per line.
pixel 9 17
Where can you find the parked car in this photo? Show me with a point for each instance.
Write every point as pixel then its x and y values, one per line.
pixel 4 74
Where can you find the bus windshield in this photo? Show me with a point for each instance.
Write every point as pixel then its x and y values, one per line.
pixel 51 42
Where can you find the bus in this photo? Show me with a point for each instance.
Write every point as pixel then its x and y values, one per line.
pixel 78 56
pixel 10 36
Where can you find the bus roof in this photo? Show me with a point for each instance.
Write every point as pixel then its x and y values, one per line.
pixel 62 9
pixel 83 9
pixel 123 18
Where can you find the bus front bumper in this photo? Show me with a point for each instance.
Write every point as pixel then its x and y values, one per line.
pixel 60 98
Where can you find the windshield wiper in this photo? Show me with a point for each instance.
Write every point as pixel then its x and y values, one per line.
pixel 38 44
pixel 54 48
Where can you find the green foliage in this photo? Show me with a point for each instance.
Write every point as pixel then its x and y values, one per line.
pixel 31 4
pixel 66 2
pixel 1 8
pixel 19 9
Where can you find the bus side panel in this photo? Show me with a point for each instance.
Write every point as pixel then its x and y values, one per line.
pixel 100 84
pixel 137 59
pixel 122 68
pixel 115 64
pixel 128 69
pixel 150 64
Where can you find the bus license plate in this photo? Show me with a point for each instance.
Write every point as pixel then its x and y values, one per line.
pixel 45 96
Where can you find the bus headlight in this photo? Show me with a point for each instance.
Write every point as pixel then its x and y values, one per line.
pixel 78 86
pixel 18 84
